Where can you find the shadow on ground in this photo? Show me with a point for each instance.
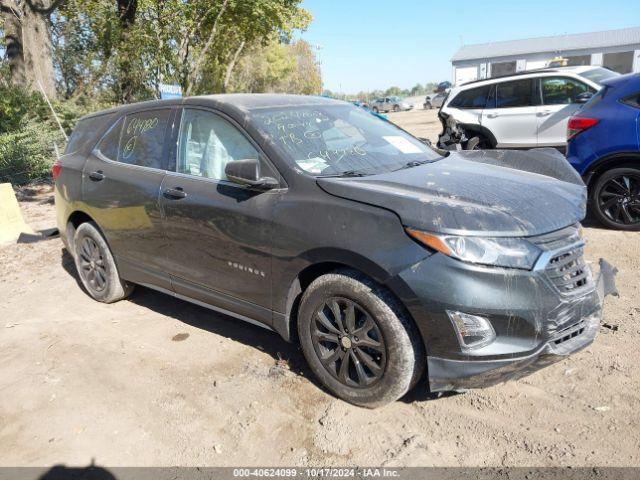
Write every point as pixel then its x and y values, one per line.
pixel 204 319
pixel 250 335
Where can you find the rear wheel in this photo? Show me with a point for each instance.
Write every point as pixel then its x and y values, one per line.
pixel 615 198
pixel 357 340
pixel 428 106
pixel 96 267
pixel 375 110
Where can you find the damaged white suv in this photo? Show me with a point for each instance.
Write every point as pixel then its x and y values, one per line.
pixel 523 110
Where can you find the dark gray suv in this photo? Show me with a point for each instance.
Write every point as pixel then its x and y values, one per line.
pixel 388 260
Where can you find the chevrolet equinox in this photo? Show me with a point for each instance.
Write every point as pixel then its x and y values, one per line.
pixel 389 261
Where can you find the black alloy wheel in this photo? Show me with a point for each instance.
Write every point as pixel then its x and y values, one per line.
pixel 348 343
pixel 96 267
pixel 619 199
pixel 92 265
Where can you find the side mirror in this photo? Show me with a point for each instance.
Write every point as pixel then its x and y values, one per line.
pixel 247 172
pixel 583 97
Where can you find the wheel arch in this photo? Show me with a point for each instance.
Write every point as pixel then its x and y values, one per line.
pixel 615 160
pixel 286 324
pixel 482 130
pixel 77 218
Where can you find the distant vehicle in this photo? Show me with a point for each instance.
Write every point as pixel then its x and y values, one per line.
pixel 434 100
pixel 390 104
pixel 604 147
pixel 523 110
pixel 367 107
pixel 383 258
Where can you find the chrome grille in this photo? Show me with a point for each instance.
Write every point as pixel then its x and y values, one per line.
pixel 565 265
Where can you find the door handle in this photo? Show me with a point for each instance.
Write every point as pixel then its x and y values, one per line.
pixel 544 113
pixel 492 115
pixel 96 176
pixel 174 193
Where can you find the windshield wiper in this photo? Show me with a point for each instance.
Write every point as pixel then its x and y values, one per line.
pixel 414 163
pixel 348 173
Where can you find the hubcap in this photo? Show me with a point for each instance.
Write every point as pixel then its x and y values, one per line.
pixel 348 342
pixel 92 266
pixel 619 199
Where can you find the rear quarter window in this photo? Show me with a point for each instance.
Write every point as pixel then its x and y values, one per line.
pixel 86 132
pixel 632 100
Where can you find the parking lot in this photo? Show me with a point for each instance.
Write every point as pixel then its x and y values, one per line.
pixel 153 380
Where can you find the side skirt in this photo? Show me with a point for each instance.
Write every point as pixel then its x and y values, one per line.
pixel 208 306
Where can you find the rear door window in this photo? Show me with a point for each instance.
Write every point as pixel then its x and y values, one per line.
pixel 109 145
pixel 142 138
pixel 562 90
pixel 517 93
pixel 472 98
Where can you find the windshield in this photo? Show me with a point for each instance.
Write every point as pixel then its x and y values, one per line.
pixel 599 75
pixel 340 140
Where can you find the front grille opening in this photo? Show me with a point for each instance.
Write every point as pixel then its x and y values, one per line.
pixel 568 271
pixel 570 332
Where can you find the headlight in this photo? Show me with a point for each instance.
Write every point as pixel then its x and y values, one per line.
pixel 499 252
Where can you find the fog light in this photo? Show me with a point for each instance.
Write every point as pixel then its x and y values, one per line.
pixel 473 331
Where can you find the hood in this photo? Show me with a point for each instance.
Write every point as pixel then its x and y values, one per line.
pixel 476 193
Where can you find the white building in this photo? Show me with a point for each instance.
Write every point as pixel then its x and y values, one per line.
pixel 618 50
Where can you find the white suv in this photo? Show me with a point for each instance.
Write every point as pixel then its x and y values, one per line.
pixel 528 109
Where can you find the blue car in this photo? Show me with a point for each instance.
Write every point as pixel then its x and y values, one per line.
pixel 603 144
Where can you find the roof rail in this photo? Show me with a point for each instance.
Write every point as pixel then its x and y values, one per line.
pixel 524 72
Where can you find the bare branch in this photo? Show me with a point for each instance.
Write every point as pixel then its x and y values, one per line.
pixel 205 50
pixel 232 64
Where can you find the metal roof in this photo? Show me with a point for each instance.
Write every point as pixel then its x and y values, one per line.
pixel 559 43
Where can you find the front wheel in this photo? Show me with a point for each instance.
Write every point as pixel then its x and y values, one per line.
pixel 375 110
pixel 428 106
pixel 96 266
pixel 396 108
pixel 615 199
pixel 357 339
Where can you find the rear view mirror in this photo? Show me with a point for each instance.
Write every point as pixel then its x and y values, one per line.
pixel 583 97
pixel 247 172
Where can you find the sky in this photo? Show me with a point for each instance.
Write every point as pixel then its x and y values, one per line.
pixel 376 44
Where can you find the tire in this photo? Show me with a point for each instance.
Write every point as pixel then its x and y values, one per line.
pixel 396 108
pixel 96 268
pixel 375 110
pixel 483 142
pixel 615 198
pixel 428 106
pixel 388 340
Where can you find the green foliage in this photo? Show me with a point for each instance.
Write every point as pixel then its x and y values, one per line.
pixel 278 68
pixel 27 154
pixel 28 132
pixel 16 104
pixel 196 44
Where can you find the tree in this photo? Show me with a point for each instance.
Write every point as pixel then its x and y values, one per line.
pixel 28 43
pixel 278 68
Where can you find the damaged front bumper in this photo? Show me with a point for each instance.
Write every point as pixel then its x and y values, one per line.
pixel 446 374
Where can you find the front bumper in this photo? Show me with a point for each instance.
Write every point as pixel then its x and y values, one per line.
pixel 535 325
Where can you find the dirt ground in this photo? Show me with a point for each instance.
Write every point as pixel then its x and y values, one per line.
pixel 157 381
